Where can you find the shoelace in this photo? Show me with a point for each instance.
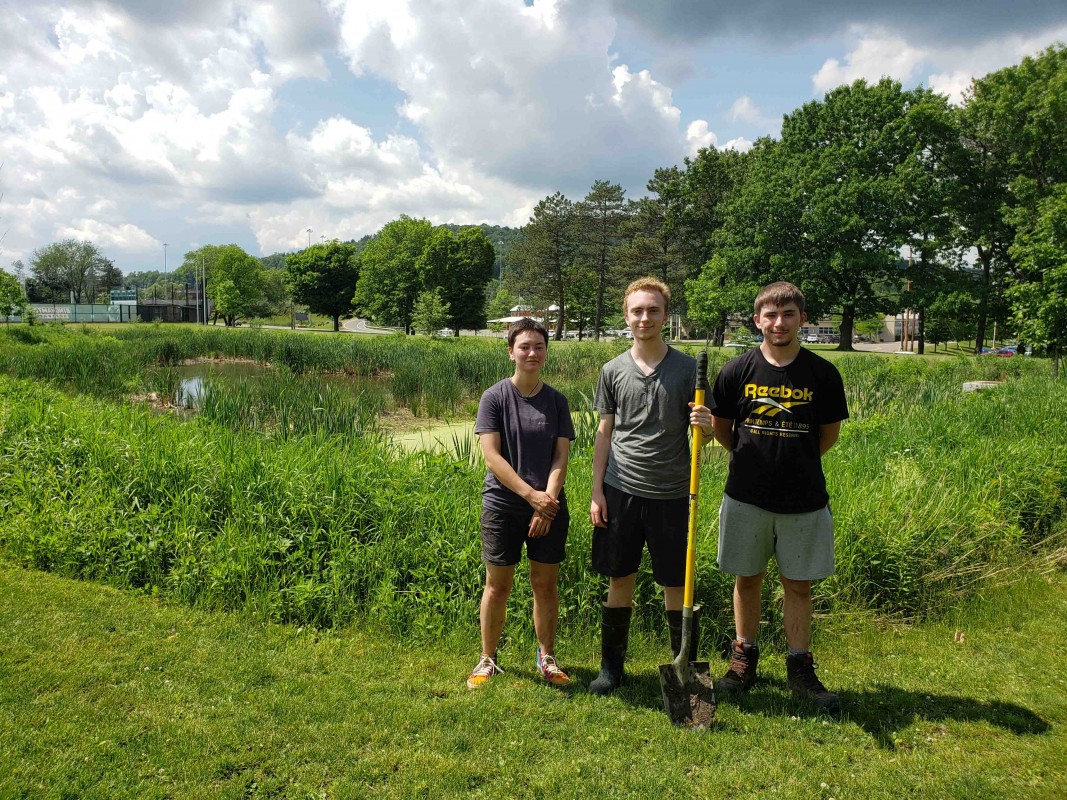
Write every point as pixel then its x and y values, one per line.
pixel 738 663
pixel 807 677
pixel 550 667
pixel 487 667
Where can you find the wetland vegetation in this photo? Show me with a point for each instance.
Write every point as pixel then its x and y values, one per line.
pixel 284 496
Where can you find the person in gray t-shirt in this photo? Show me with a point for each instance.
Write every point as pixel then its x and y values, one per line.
pixel 524 427
pixel 640 493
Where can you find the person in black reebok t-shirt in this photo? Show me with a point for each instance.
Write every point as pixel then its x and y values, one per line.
pixel 777 409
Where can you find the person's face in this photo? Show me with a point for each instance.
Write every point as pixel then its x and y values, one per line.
pixel 528 352
pixel 779 324
pixel 645 314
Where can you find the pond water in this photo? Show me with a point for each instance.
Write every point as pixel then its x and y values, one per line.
pixel 437 436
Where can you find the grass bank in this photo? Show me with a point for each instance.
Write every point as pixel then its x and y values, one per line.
pixel 329 527
pixel 105 693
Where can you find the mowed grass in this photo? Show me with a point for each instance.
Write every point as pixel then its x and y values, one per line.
pixel 108 693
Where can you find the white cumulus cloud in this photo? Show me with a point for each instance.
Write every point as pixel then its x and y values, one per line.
pixel 875 57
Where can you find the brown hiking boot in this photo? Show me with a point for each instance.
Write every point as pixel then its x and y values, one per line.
pixel 741 675
pixel 803 682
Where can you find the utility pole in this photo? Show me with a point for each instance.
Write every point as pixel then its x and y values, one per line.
pixel 165 281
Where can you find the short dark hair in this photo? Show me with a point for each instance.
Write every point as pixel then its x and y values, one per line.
pixel 780 293
pixel 526 324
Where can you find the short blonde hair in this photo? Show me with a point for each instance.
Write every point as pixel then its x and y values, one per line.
pixel 647 284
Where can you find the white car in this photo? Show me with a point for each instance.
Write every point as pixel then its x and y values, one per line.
pixel 811 338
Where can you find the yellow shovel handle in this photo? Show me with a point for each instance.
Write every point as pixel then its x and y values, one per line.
pixel 694 485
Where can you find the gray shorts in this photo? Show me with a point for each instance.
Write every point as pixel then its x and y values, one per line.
pixel 802 544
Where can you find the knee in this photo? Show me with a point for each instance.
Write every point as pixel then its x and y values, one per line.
pixel 623 584
pixel 498 590
pixel 543 585
pixel 801 590
pixel 749 583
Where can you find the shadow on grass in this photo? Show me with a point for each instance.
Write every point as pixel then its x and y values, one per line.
pixel 882 711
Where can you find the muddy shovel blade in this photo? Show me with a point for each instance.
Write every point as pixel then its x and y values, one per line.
pixel 688 693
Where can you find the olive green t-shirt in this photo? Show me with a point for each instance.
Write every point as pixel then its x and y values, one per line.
pixel 649 455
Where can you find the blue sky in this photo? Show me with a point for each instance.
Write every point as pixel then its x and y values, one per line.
pixel 214 121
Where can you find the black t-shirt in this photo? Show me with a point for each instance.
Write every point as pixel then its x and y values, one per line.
pixel 775 463
pixel 528 428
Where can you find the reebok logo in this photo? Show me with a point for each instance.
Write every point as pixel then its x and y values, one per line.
pixel 755 391
pixel 772 400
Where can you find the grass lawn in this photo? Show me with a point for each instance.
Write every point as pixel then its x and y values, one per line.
pixel 107 693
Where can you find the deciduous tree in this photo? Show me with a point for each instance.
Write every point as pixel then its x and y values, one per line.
pixel 460 266
pixel 12 300
pixel 430 312
pixel 236 284
pixel 822 207
pixel 389 279
pixel 324 277
pixel 65 270
pixel 1039 292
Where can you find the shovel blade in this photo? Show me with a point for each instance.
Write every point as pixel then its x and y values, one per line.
pixel 689 698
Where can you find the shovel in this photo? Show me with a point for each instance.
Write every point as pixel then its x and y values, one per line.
pixel 688 689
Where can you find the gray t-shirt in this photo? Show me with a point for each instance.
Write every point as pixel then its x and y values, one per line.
pixel 528 428
pixel 649 455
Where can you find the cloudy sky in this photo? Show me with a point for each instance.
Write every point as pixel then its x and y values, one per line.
pixel 212 121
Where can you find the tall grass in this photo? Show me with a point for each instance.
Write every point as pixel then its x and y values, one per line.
pixel 287 405
pixel 265 504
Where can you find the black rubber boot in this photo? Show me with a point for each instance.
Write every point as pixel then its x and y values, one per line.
pixel 614 635
pixel 674 626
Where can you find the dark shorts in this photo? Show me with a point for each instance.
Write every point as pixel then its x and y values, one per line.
pixel 633 523
pixel 504 533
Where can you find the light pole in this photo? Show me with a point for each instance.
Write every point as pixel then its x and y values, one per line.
pixel 309 237
pixel 165 281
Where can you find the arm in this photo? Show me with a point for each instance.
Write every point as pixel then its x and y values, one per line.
pixel 541 502
pixel 828 436
pixel 724 431
pixel 557 474
pixel 598 507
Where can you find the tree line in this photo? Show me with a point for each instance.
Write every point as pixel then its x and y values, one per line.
pixel 411 274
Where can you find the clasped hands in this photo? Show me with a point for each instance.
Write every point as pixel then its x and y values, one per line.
pixel 545 507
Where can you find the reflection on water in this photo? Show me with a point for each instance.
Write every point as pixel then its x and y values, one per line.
pixel 190 393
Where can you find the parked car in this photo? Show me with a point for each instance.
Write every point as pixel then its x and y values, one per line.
pixel 445 332
pixel 811 338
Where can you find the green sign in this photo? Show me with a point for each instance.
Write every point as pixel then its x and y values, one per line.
pixel 123 295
